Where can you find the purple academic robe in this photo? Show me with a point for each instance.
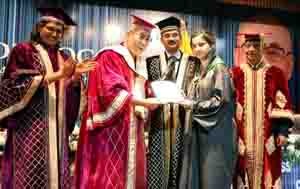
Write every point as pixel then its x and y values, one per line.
pixel 37 120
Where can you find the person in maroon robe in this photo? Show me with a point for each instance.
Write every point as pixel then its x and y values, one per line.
pixel 263 117
pixel 39 102
pixel 111 149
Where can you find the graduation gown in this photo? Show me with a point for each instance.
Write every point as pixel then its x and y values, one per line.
pixel 111 149
pixel 210 137
pixel 166 125
pixel 37 120
pixel 263 110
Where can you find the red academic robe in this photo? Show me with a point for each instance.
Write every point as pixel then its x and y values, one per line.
pixel 111 150
pixel 37 120
pixel 263 110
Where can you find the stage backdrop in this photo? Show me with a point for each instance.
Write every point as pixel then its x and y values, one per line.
pixel 100 26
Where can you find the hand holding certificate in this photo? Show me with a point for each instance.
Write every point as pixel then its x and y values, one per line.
pixel 168 92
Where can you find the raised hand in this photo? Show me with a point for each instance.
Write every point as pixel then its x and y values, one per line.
pixel 85 66
pixel 66 68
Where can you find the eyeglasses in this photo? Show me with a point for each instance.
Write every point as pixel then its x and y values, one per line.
pixel 275 49
pixel 255 44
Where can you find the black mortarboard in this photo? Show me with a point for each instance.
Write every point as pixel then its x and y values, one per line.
pixel 170 23
pixel 56 14
pixel 253 37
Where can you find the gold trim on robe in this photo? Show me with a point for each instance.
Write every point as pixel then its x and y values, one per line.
pixel 132 145
pixel 25 100
pixel 116 104
pixel 254 120
pixel 61 109
pixel 182 71
pixel 138 90
pixel 52 122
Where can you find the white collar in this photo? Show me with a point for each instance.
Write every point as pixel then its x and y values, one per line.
pixel 138 67
pixel 177 54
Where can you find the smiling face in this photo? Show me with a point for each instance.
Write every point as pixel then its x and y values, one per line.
pixel 200 47
pixel 51 33
pixel 137 40
pixel 277 48
pixel 280 57
pixel 253 51
pixel 171 40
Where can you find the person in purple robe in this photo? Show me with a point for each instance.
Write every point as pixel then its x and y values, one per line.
pixel 39 103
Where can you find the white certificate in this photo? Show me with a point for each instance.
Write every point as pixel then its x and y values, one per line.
pixel 167 91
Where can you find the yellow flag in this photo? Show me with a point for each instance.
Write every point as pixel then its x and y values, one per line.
pixel 185 43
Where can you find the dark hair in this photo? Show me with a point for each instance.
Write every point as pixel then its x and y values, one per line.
pixel 35 34
pixel 209 37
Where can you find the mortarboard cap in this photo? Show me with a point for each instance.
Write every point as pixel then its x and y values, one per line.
pixel 141 22
pixel 170 23
pixel 252 37
pixel 57 15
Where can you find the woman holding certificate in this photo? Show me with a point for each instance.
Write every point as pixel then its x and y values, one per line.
pixel 210 149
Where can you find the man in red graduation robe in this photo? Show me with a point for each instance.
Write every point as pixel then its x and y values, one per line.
pixel 111 150
pixel 263 118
